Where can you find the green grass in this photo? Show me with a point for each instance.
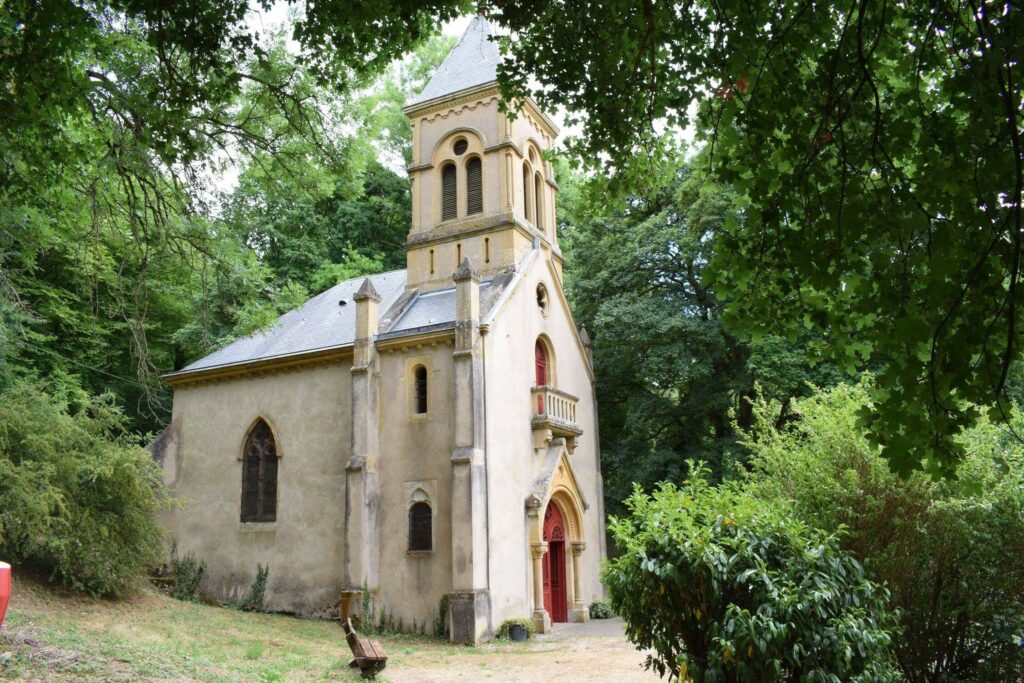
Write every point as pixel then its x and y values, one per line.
pixel 61 636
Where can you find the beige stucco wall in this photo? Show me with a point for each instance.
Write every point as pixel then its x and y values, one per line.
pixel 415 450
pixel 513 464
pixel 309 413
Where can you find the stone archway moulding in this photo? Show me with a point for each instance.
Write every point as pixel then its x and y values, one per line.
pixel 557 486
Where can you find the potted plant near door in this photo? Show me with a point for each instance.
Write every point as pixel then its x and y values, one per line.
pixel 516 630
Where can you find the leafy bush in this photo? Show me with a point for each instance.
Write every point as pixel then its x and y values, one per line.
pixel 725 587
pixel 254 599
pixel 186 572
pixel 601 609
pixel 503 630
pixel 77 496
pixel 948 551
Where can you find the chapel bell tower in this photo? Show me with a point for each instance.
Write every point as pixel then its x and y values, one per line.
pixel 481 188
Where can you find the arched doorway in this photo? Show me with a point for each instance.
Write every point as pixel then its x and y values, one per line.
pixel 555 600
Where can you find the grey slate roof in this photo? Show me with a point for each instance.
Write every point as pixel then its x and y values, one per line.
pixel 320 323
pixel 428 310
pixel 472 62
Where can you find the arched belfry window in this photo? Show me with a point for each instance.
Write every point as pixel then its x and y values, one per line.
pixel 526 192
pixel 420 377
pixel 538 205
pixel 474 187
pixel 259 475
pixel 421 532
pixel 449 193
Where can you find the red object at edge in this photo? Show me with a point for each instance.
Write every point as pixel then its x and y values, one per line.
pixel 5 589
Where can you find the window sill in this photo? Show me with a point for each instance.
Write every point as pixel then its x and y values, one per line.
pixel 419 417
pixel 257 527
pixel 419 553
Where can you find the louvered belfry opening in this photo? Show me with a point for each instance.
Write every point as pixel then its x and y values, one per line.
pixel 259 475
pixel 420 531
pixel 474 187
pixel 421 390
pixel 449 193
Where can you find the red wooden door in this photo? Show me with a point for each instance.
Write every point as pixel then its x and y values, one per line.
pixel 555 601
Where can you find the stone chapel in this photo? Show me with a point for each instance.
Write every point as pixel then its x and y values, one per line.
pixel 427 436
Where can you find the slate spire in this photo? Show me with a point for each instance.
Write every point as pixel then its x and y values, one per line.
pixel 471 63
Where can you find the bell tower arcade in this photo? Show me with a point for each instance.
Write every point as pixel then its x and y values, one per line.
pixel 481 188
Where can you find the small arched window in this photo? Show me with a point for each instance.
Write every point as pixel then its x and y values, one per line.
pixel 474 187
pixel 538 205
pixel 449 193
pixel 259 475
pixel 526 192
pixel 420 527
pixel 421 389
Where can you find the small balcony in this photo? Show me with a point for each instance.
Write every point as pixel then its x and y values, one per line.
pixel 554 415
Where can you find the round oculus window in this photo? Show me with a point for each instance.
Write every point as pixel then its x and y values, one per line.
pixel 460 146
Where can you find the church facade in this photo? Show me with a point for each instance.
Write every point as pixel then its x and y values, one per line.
pixel 428 436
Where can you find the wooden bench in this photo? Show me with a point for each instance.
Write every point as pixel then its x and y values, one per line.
pixel 368 655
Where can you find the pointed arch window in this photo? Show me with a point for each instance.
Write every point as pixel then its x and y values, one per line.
pixel 259 475
pixel 474 187
pixel 449 193
pixel 540 356
pixel 421 532
pixel 540 364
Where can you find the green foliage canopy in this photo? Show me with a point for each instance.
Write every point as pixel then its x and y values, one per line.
pixel 879 148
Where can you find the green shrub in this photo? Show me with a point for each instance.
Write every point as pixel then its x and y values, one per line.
pixel 254 599
pixel 601 609
pixel 503 630
pixel 949 551
pixel 77 497
pixel 186 572
pixel 724 587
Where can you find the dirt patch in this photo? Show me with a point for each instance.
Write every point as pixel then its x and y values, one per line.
pixel 576 657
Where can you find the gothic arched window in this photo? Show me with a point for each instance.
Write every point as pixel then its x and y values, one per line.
pixel 421 389
pixel 449 193
pixel 540 358
pixel 474 187
pixel 259 475
pixel 421 533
